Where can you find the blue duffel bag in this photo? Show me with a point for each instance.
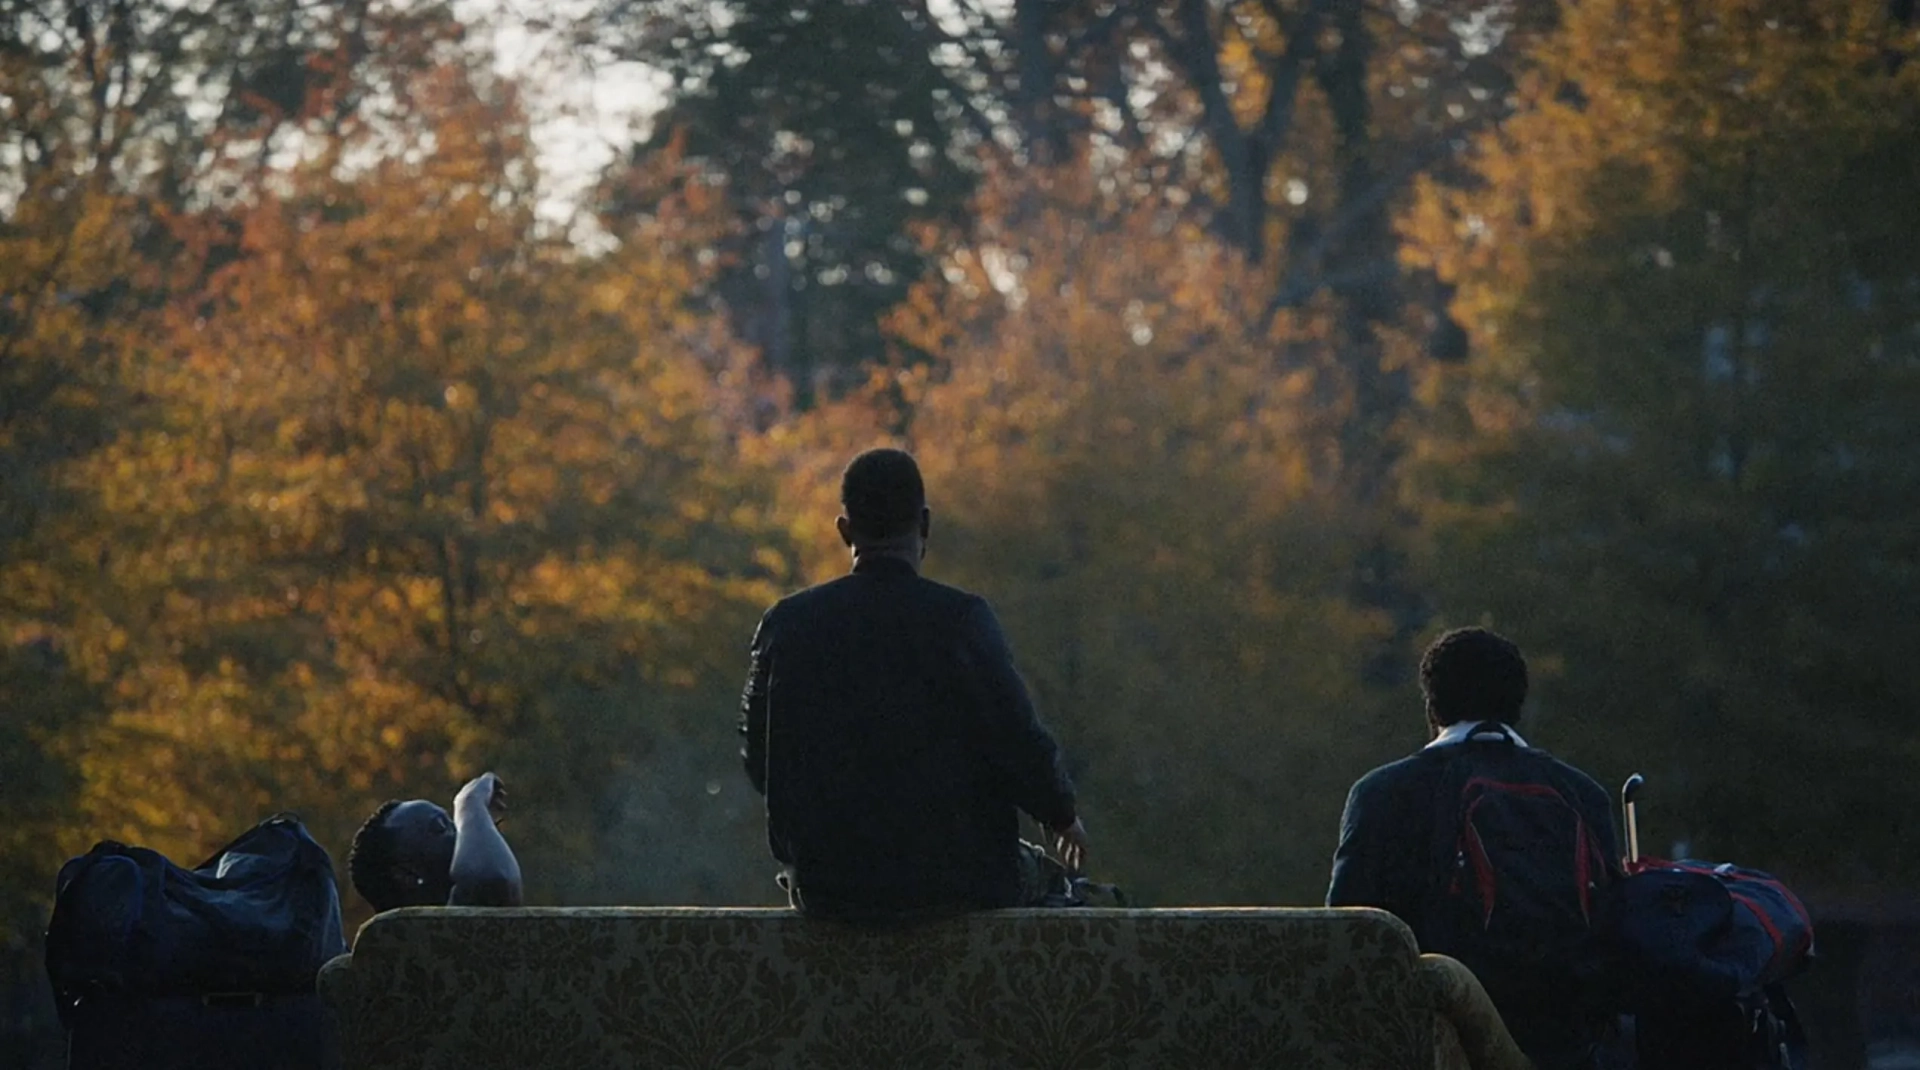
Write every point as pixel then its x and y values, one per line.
pixel 259 917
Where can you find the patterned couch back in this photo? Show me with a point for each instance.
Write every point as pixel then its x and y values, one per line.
pixel 467 989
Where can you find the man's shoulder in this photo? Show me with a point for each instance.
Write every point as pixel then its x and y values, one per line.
pixel 821 595
pixel 802 604
pixel 958 597
pixel 801 597
pixel 1573 776
pixel 1568 769
pixel 808 597
pixel 956 601
pixel 1396 778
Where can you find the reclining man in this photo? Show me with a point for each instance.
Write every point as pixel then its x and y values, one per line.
pixel 892 737
pixel 1491 851
pixel 412 854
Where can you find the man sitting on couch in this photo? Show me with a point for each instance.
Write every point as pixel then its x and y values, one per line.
pixel 894 741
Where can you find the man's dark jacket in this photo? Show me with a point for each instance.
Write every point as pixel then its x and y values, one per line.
pixel 895 743
pixel 1390 856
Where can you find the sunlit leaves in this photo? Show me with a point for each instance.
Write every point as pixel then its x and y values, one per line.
pixel 410 471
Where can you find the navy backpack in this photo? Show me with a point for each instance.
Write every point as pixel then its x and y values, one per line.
pixel 1519 891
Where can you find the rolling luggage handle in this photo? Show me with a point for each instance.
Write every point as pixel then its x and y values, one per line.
pixel 1628 792
pixel 1771 1035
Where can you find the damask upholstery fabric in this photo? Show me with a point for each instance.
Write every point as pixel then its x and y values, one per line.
pixel 1448 1052
pixel 1463 1008
pixel 464 989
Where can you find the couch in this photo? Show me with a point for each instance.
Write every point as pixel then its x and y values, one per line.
pixel 474 989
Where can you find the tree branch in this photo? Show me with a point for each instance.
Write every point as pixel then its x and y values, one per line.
pixel 1302 38
pixel 1303 279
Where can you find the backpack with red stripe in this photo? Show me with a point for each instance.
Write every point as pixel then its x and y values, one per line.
pixel 1523 874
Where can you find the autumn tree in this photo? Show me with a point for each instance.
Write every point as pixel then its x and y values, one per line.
pixel 425 491
pixel 58 248
pixel 1291 131
pixel 1113 462
pixel 116 120
pixel 1680 468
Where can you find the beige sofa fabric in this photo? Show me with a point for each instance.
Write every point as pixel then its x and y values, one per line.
pixel 578 988
pixel 1467 1020
pixel 1448 1052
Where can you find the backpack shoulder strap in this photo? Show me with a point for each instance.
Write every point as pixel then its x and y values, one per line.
pixel 1494 732
pixel 1453 768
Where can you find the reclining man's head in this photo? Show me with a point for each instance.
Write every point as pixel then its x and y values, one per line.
pixel 884 505
pixel 414 854
pixel 1472 674
pixel 403 855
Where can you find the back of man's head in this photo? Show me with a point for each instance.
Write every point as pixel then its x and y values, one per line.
pixel 373 861
pixel 1472 674
pixel 882 494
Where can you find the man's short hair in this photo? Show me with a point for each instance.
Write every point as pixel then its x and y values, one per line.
pixel 1472 674
pixel 372 861
pixel 882 493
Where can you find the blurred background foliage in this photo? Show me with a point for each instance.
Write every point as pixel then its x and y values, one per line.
pixel 1246 345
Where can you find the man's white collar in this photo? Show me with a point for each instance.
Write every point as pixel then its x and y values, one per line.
pixel 1461 731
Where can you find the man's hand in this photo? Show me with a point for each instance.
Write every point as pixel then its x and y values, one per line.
pixel 484 871
pixel 482 792
pixel 1070 846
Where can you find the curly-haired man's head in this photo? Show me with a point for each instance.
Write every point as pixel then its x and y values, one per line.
pixel 403 856
pixel 1473 674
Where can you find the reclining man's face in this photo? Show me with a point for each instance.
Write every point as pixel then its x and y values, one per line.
pixel 423 837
